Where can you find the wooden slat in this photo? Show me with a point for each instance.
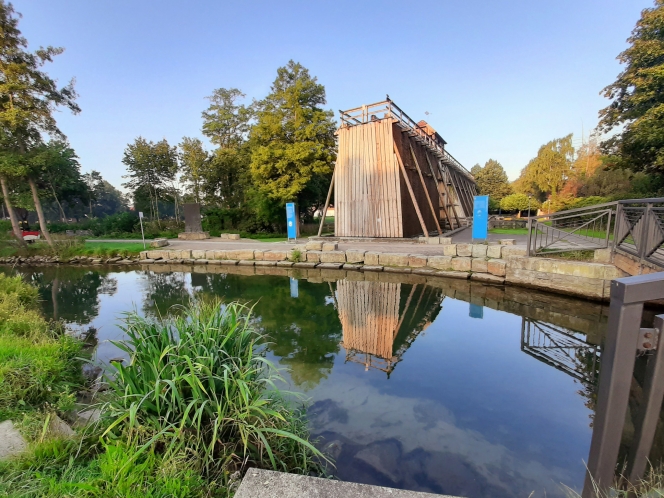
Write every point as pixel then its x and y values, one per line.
pixel 410 191
pixel 327 203
pixel 394 178
pixel 426 190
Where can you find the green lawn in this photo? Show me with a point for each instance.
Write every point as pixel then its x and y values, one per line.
pixel 132 247
pixel 510 231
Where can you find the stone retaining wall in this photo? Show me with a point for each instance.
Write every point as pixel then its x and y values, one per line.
pixel 493 263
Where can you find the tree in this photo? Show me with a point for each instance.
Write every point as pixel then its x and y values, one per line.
pixel 293 146
pixel 637 106
pixel 193 159
pixel 104 198
pixel 492 180
pixel 518 202
pixel 28 100
pixel 226 123
pixel 550 169
pixel 151 169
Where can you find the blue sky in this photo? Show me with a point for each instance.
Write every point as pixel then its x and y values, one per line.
pixel 499 78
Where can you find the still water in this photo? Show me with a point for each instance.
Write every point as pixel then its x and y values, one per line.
pixel 448 386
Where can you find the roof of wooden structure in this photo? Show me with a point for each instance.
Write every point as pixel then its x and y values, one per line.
pixel 424 134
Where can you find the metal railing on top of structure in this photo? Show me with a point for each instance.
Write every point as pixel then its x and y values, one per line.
pixel 366 113
pixel 632 226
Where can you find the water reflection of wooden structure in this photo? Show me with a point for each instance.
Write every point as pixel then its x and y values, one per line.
pixel 377 328
pixel 561 348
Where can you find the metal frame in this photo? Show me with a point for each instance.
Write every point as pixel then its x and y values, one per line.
pixel 618 357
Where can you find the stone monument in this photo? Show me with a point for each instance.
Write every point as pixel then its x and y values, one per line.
pixel 193 230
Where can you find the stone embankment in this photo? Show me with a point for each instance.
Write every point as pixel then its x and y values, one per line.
pixel 490 263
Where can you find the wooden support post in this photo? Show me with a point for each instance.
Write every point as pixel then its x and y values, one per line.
pixel 458 192
pixel 410 191
pixel 426 190
pixel 443 201
pixel 327 203
pixel 447 192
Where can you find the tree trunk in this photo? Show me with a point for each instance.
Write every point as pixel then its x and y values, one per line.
pixel 63 217
pixel 40 212
pixel 12 214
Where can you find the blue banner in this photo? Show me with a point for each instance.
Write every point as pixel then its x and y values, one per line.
pixel 480 216
pixel 290 220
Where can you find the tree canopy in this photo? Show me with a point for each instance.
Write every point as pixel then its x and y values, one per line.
pixel 637 107
pixel 492 180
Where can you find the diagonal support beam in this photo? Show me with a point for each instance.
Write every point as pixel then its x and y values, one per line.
pixel 410 191
pixel 426 190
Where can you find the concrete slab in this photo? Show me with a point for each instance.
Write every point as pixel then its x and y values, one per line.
pixel 11 441
pixel 269 484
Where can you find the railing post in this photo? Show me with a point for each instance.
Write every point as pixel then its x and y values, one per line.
pixel 530 230
pixel 616 227
pixel 608 230
pixel 644 236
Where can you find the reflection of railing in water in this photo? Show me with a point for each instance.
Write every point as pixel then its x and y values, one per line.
pixel 560 348
pixel 371 320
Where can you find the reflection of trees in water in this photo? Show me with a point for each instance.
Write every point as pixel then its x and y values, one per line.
pixel 71 294
pixel 163 292
pixel 304 331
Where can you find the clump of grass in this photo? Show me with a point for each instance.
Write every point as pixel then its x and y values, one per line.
pixel 296 256
pixel 650 486
pixel 198 383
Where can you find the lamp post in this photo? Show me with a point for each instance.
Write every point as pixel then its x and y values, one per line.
pixel 529 196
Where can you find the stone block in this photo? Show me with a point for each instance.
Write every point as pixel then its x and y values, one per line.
pixel 371 268
pixel 423 271
pixel 330 246
pixel 479 250
pixel 275 255
pixel 314 245
pixel 297 255
pixel 461 264
pixel 305 264
pixel 487 278
pixel 371 258
pixel 513 250
pixel 507 242
pixel 284 264
pixel 144 254
pixel 314 256
pixel 265 263
pixel 433 240
pixel 464 250
pixel 417 260
pixel 452 274
pixel 240 254
pixel 159 243
pixel 397 269
pixel 354 256
pixel 440 262
pixel 193 235
pixel 445 240
pixel 214 261
pixel 351 266
pixel 198 254
pixel 497 267
pixel 201 261
pixel 602 256
pixel 494 251
pixel 422 240
pixel 230 236
pixel 231 262
pixel 450 250
pixel 393 259
pixel 246 262
pixel 329 266
pixel 333 257
pixel 184 254
pixel 156 255
pixel 479 265
pixel 258 255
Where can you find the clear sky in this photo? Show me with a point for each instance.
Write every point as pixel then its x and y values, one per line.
pixel 499 78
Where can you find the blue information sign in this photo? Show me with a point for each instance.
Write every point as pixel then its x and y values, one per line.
pixel 480 216
pixel 290 220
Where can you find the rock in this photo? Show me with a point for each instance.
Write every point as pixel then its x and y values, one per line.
pixel 159 243
pixel 497 267
pixel 313 256
pixel 450 250
pixel 417 260
pixel 494 251
pixel 513 250
pixel 97 261
pixel 11 442
pixel 125 261
pixel 384 457
pixel 371 258
pixel 479 250
pixel 461 264
pixel 333 256
pixel 198 254
pixel 330 246
pixel 259 255
pixel 479 265
pixel 355 256
pixel 507 242
pixel 314 245
pixel 464 250
pixel 275 255
pixel 59 428
pixel 88 416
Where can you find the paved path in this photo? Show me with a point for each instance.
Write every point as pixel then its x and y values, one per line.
pixel 216 243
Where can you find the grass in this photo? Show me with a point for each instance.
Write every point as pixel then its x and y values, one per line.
pixel 510 231
pixel 650 486
pixel 193 409
pixel 70 247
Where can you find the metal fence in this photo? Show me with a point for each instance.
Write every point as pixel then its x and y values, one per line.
pixel 632 226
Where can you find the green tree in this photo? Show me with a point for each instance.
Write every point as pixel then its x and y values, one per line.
pixel 151 169
pixel 104 199
pixel 550 169
pixel 518 202
pixel 193 158
pixel 637 95
pixel 225 122
pixel 28 100
pixel 492 180
pixel 293 146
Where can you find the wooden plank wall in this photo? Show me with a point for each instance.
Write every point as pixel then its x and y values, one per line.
pixel 367 193
pixel 411 224
pixel 369 315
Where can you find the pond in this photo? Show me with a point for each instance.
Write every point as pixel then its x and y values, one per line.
pixel 438 385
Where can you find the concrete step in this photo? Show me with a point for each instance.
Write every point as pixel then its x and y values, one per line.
pixel 268 484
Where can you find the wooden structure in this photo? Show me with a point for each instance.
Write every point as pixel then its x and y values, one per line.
pixel 394 178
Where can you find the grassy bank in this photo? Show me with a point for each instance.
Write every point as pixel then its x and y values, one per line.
pixel 68 248
pixel 192 410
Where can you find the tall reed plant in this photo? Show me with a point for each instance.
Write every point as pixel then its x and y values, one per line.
pixel 198 384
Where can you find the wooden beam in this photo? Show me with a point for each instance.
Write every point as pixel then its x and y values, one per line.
pixel 447 192
pixel 426 190
pixel 327 203
pixel 443 203
pixel 410 191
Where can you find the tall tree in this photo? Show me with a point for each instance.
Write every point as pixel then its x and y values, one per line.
pixel 28 100
pixel 104 198
pixel 293 146
pixel 193 158
pixel 492 180
pixel 550 169
pixel 151 169
pixel 637 95
pixel 225 122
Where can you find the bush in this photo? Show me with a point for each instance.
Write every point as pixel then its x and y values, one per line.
pixel 518 202
pixel 582 202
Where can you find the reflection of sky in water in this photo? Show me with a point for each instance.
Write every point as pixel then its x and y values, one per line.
pixel 464 412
